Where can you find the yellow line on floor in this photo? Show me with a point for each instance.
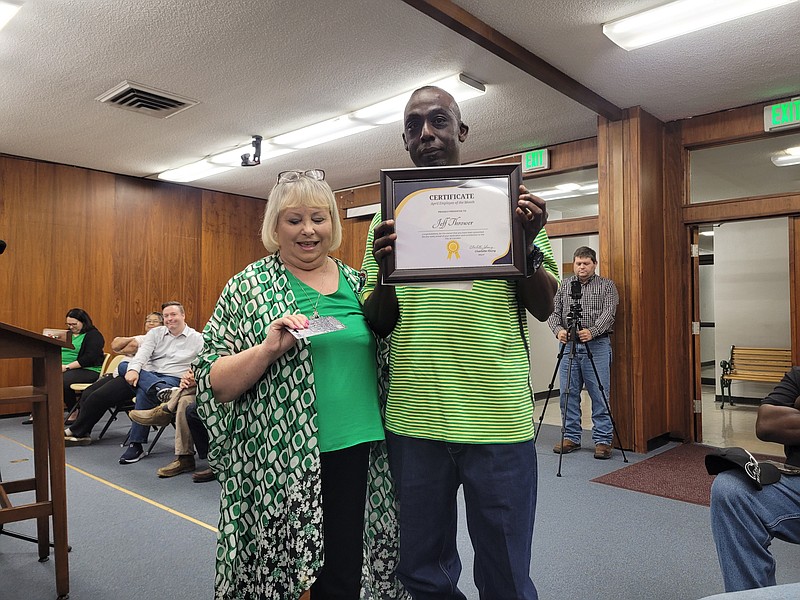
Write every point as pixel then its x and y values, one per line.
pixel 125 491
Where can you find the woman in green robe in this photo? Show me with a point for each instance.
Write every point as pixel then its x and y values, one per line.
pixel 289 388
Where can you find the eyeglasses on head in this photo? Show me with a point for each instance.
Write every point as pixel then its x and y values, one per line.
pixel 290 176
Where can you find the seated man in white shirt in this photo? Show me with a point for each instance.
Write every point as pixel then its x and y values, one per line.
pixel 168 351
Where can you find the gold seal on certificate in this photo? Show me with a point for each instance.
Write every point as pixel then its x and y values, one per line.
pixel 453 223
pixel 452 249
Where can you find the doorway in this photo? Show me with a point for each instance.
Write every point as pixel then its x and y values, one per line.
pixel 742 298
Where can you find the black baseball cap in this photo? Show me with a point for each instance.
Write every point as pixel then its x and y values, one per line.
pixel 724 459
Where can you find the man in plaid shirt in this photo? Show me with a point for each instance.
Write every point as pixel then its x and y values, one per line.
pixel 598 299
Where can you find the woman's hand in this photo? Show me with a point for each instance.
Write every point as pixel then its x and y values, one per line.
pixel 278 339
pixel 233 375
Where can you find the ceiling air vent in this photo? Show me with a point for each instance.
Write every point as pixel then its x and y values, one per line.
pixel 145 100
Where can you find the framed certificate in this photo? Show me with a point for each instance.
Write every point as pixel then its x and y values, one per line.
pixel 453 223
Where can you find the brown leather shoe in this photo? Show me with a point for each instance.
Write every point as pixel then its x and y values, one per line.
pixel 203 476
pixel 569 446
pixel 157 416
pixel 182 464
pixel 602 451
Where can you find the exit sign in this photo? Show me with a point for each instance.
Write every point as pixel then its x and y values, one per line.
pixel 783 115
pixel 535 160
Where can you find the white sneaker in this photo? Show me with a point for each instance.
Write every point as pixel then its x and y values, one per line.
pixel 165 394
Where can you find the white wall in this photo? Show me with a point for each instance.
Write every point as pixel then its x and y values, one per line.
pixel 707 348
pixel 751 291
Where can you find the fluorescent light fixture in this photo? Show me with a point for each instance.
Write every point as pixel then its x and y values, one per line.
pixel 363 211
pixel 460 86
pixel 193 171
pixel 785 160
pixel 326 131
pixel 707 233
pixel 567 190
pixel 679 18
pixel 8 8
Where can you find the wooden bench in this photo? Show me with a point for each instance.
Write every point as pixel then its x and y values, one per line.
pixel 766 365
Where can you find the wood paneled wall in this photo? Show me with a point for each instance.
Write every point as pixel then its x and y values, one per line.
pixel 115 246
pixel 630 169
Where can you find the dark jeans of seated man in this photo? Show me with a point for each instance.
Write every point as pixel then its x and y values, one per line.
pixel 147 387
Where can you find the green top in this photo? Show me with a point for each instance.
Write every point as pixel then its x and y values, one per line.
pixel 344 369
pixel 459 364
pixel 69 355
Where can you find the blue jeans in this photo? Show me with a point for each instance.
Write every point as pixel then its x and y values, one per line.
pixel 146 389
pixel 744 521
pixel 500 495
pixel 582 373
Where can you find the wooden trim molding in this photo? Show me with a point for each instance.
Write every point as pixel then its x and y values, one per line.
pixel 572 227
pixel 736 124
pixel 742 208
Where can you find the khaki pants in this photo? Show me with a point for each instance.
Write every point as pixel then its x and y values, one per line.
pixel 177 403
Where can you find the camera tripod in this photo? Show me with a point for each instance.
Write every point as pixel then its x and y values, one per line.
pixel 573 326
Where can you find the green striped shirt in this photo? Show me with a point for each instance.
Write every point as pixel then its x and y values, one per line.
pixel 458 363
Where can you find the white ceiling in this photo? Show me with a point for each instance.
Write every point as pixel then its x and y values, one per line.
pixel 268 67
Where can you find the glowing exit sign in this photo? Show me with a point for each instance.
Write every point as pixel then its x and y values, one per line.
pixel 783 115
pixel 535 160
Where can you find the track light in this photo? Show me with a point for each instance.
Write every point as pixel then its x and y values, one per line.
pixel 256 143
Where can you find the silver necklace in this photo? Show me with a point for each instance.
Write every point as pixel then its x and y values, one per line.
pixel 315 314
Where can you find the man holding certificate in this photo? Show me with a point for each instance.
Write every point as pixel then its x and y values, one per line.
pixel 460 406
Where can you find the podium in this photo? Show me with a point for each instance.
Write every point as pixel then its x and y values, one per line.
pixel 49 482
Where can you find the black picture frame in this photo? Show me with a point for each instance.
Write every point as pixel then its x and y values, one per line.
pixel 398 184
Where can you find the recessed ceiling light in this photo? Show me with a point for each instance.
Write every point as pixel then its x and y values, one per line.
pixel 679 18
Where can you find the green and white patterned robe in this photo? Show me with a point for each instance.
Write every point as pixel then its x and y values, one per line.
pixel 263 449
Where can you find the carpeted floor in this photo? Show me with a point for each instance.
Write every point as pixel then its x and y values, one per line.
pixel 678 473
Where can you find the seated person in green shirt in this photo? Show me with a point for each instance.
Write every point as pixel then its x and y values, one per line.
pixel 82 362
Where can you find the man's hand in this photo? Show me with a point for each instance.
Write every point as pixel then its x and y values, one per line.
pixel 383 240
pixel 531 211
pixel 132 377
pixel 585 335
pixel 562 336
pixel 187 381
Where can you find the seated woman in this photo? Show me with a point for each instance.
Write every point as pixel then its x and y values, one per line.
pixel 108 391
pixel 82 362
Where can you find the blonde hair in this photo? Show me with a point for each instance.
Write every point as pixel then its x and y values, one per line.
pixel 304 192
